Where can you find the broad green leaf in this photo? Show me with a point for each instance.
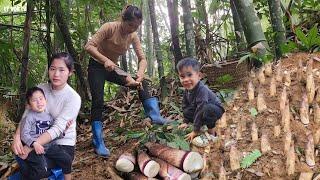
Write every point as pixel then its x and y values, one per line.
pixel 243 58
pixel 312 36
pixel 173 145
pixel 182 143
pixel 302 37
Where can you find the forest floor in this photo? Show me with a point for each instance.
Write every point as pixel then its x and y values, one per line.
pixel 125 113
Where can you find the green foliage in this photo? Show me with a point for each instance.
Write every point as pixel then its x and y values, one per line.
pixel 267 57
pixel 253 112
pixel 173 137
pixel 226 94
pixel 224 79
pixel 249 159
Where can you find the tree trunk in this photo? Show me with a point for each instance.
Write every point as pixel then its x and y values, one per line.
pixel 238 30
pixel 25 58
pixel 48 36
pixel 67 39
pixel 188 28
pixel 277 25
pixel 250 22
pixel 163 15
pixel 203 16
pixel 252 29
pixel 157 48
pixel 174 27
pixel 148 40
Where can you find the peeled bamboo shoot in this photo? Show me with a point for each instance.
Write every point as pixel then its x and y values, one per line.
pixel 170 172
pixel 126 162
pixel 147 166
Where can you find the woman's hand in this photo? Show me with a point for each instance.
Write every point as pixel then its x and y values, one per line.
pixel 140 76
pixel 183 126
pixel 191 135
pixel 27 150
pixel 109 65
pixel 17 146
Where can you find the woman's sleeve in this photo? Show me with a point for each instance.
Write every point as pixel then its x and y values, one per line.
pixel 137 46
pixel 103 33
pixel 69 111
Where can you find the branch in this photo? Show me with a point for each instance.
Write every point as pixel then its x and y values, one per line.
pixel 21 27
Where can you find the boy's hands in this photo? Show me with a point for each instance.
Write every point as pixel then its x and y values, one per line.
pixel 183 126
pixel 38 148
pixel 191 135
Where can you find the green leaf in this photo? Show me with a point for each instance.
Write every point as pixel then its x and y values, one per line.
pixel 288 47
pixel 173 145
pixel 134 134
pixel 243 58
pixel 182 143
pixel 302 37
pixel 312 36
pixel 249 159
pixel 253 112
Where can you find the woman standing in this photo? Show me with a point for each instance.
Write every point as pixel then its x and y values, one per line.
pixel 111 41
pixel 63 105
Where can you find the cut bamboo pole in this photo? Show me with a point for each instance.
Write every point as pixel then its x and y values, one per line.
pixel 234 158
pixel 167 171
pixel 304 110
pixel 309 151
pixel 188 161
pixel 148 167
pixel 273 87
pixel 291 157
pixel 254 132
pixel 250 91
pixel 126 162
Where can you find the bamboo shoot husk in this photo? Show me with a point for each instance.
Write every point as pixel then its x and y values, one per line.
pixel 250 91
pixel 252 74
pixel 304 110
pixel 239 132
pixel 316 137
pixel 316 111
pixel 261 77
pixel 187 161
pixel 277 131
pixel 310 86
pixel 268 69
pixel 273 87
pixel 234 158
pixel 126 162
pixel 223 121
pixel 291 157
pixel 300 72
pixel 287 78
pixel 222 173
pixel 286 117
pixel 279 73
pixel 283 98
pixel 306 176
pixel 309 151
pixel 265 145
pixel 318 95
pixel 261 104
pixel 310 67
pixel 254 132
pixel 147 166
pixel 287 141
pixel 167 171
pixel 138 176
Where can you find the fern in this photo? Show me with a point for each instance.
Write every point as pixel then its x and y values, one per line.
pixel 249 159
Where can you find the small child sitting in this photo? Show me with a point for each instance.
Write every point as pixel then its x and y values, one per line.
pixel 35 122
pixel 200 105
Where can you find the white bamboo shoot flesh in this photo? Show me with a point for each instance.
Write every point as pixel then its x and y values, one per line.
pixel 126 162
pixel 148 167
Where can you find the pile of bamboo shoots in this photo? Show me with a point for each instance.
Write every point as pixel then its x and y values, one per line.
pixel 166 162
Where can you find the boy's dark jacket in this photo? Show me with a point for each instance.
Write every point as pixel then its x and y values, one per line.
pixel 195 99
